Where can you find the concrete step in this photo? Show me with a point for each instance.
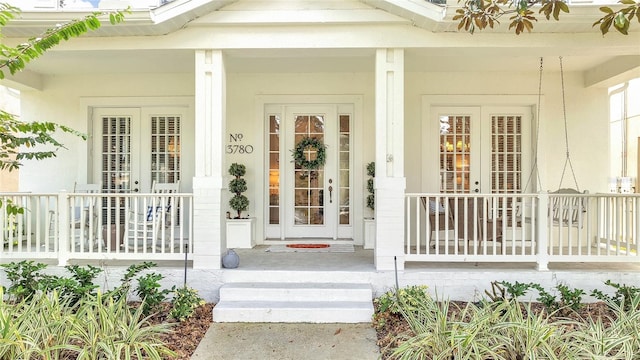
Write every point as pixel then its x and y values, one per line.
pixel 295 292
pixel 294 302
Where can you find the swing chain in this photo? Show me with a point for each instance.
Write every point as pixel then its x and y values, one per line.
pixel 534 167
pixel 566 133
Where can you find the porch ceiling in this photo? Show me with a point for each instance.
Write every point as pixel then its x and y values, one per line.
pixel 302 61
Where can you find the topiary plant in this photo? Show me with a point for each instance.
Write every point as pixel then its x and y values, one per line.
pixel 371 198
pixel 237 186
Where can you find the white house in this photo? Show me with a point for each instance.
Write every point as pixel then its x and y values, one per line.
pixel 185 88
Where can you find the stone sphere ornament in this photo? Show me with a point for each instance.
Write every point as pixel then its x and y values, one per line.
pixel 230 260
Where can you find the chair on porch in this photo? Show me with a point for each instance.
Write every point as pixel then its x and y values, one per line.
pixel 439 219
pixel 84 215
pixel 86 210
pixel 151 222
pixel 476 219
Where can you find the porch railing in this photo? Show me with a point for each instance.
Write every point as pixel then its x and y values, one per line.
pixel 67 226
pixel 538 228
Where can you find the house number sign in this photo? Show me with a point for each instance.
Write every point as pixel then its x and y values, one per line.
pixel 235 147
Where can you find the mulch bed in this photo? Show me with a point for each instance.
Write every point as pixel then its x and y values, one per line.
pixel 185 336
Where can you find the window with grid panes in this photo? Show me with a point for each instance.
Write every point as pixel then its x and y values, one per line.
pixel 455 153
pixel 165 149
pixel 506 154
pixel 345 144
pixel 274 169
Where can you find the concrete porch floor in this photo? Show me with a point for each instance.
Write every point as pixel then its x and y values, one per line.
pixel 363 260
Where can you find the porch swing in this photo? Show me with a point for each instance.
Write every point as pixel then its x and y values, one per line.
pixel 566 206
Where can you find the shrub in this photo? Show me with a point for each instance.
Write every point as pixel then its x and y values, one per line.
pixel 185 301
pixel 25 278
pixel 623 295
pixel 237 186
pixel 149 290
pixel 409 298
pixel 504 290
pixel 80 283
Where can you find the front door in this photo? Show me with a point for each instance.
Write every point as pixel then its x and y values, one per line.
pixel 315 194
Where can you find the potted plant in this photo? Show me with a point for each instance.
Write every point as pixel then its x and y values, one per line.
pixel 237 186
pixel 371 198
pixel 239 228
pixel 369 222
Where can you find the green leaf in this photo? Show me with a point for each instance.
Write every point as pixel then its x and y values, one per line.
pixel 620 21
pixel 606 9
pixel 563 6
pixel 556 12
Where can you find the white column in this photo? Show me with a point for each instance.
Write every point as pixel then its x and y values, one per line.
pixel 390 183
pixel 210 118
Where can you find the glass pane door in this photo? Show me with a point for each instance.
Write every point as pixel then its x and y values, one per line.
pixel 309 183
pixel 483 149
pixel 165 148
pixel 116 138
pixel 459 149
pixel 313 192
pixel 455 153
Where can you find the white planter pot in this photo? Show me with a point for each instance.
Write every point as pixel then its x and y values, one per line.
pixel 369 233
pixel 240 233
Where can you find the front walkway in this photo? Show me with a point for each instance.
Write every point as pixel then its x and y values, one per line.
pixel 250 341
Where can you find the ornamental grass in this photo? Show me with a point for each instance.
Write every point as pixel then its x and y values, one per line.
pixel 48 327
pixel 413 325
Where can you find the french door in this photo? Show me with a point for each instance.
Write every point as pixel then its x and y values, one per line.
pixel 132 147
pixel 309 202
pixel 483 149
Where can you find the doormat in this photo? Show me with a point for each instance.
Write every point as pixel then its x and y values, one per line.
pixel 341 248
pixel 308 246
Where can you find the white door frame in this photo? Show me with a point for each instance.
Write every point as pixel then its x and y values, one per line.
pixel 488 103
pixel 266 232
